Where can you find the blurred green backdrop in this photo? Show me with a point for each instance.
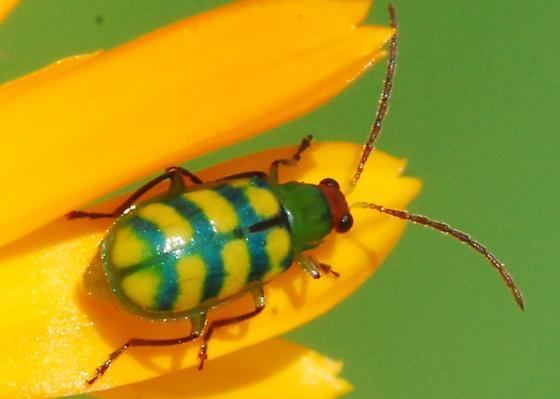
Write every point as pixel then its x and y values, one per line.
pixel 475 112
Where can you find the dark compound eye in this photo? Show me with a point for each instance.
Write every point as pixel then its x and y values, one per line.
pixel 330 182
pixel 345 224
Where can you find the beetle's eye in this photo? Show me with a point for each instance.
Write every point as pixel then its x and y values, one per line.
pixel 330 182
pixel 345 224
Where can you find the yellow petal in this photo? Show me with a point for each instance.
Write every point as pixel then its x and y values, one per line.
pixel 5 7
pixel 52 71
pixel 248 374
pixel 58 335
pixel 86 127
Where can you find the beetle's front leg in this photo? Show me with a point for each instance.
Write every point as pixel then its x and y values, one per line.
pixel 273 172
pixel 314 268
pixel 173 174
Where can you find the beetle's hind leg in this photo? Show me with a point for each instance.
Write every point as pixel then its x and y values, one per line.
pixel 174 174
pixel 197 323
pixel 304 145
pixel 258 296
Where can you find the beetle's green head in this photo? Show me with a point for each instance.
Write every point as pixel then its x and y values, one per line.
pixel 314 211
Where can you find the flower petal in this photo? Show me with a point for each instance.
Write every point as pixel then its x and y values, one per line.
pixel 247 374
pixel 58 335
pixel 6 6
pixel 171 95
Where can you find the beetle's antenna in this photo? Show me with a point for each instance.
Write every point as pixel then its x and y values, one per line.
pixel 458 235
pixel 384 100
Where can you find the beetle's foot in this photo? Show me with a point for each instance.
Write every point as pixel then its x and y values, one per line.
pixel 75 215
pixel 327 269
pixel 91 215
pixel 203 355
pixel 99 372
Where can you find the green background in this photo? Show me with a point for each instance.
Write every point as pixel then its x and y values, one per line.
pixel 475 112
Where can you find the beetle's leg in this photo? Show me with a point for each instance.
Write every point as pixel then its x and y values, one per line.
pixel 243 175
pixel 177 183
pixel 312 267
pixel 125 205
pixel 258 296
pixel 273 172
pixel 173 174
pixel 309 266
pixel 327 269
pixel 198 322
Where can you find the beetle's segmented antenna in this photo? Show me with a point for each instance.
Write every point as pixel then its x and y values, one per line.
pixel 384 100
pixel 457 234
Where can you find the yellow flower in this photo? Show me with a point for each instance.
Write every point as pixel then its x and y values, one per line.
pixel 90 124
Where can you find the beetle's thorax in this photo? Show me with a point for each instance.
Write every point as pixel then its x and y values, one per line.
pixel 313 211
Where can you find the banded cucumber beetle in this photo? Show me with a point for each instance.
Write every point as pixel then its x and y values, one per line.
pixel 196 247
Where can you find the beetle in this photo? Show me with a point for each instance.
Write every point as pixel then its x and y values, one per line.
pixel 181 254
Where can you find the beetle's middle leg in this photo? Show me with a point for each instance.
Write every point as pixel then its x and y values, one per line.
pixel 260 301
pixel 173 174
pixel 273 172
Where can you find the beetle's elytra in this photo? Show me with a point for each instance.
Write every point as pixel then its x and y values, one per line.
pixel 184 252
pixel 198 246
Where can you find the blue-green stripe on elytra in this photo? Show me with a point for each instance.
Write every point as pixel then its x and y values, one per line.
pixel 260 261
pixel 204 236
pixel 203 232
pixel 168 289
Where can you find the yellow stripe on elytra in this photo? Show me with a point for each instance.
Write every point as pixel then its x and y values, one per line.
pixel 219 211
pixel 127 249
pixel 191 274
pixel 278 245
pixel 237 265
pixel 177 230
pixel 141 287
pixel 240 183
pixel 263 202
